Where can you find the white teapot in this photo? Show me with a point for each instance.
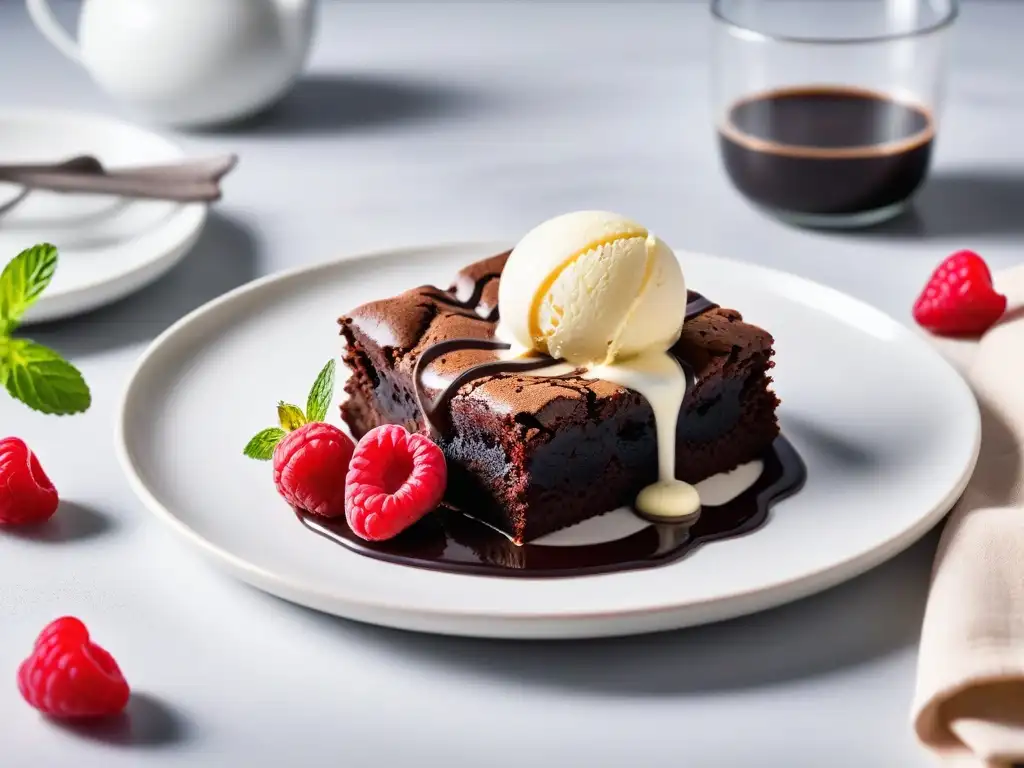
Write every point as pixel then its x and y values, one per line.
pixel 188 62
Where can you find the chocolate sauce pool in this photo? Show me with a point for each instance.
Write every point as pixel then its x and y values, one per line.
pixel 448 540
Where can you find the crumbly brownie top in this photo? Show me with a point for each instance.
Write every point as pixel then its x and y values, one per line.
pixel 399 329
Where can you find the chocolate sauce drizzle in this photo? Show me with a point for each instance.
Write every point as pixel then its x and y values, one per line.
pixel 469 306
pixel 697 304
pixel 438 413
pixel 448 540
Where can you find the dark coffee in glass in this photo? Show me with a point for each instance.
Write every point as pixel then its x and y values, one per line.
pixel 815 150
pixel 827 131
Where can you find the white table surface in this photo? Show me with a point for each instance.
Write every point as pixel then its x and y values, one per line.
pixel 425 122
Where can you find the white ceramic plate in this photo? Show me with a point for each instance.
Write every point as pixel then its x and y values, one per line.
pixel 888 430
pixel 109 246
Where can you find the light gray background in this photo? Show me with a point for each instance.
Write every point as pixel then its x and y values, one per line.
pixel 429 122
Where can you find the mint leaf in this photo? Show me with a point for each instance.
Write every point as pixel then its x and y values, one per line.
pixel 41 378
pixel 290 416
pixel 22 282
pixel 322 393
pixel 262 444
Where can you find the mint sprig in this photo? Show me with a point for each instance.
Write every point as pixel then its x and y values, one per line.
pixel 41 378
pixel 291 417
pixel 320 396
pixel 263 443
pixel 23 281
pixel 36 375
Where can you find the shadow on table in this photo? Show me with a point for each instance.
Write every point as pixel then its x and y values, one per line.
pixel 72 522
pixel 962 203
pixel 146 723
pixel 872 616
pixel 224 258
pixel 329 103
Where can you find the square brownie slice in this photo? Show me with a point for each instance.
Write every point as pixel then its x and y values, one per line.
pixel 532 454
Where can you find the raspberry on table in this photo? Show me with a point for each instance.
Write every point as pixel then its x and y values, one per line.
pixel 26 494
pixel 394 479
pixel 310 465
pixel 67 627
pixel 959 299
pixel 68 676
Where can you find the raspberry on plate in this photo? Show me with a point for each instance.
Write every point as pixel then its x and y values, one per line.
pixel 310 456
pixel 310 465
pixel 959 299
pixel 68 676
pixel 26 494
pixel 394 479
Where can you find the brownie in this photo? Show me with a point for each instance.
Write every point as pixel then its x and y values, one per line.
pixel 532 454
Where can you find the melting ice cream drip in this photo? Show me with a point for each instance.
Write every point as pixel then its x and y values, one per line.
pixel 603 294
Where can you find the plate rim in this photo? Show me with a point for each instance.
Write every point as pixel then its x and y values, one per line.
pixel 99 292
pixel 398 614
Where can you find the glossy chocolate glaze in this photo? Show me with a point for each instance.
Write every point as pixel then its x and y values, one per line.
pixel 448 540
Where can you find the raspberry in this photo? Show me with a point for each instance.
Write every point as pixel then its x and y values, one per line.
pixel 26 493
pixel 395 478
pixel 959 299
pixel 309 468
pixel 68 676
pixel 67 627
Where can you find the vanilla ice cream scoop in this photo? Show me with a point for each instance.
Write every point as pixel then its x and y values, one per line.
pixel 602 293
pixel 591 287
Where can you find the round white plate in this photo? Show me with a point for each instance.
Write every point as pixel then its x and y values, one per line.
pixel 109 246
pixel 888 430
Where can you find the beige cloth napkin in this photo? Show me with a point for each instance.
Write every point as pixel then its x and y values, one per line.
pixel 969 703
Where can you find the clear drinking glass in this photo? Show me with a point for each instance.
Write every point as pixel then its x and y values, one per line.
pixel 826 111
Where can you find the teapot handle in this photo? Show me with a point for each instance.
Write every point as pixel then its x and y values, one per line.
pixel 42 16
